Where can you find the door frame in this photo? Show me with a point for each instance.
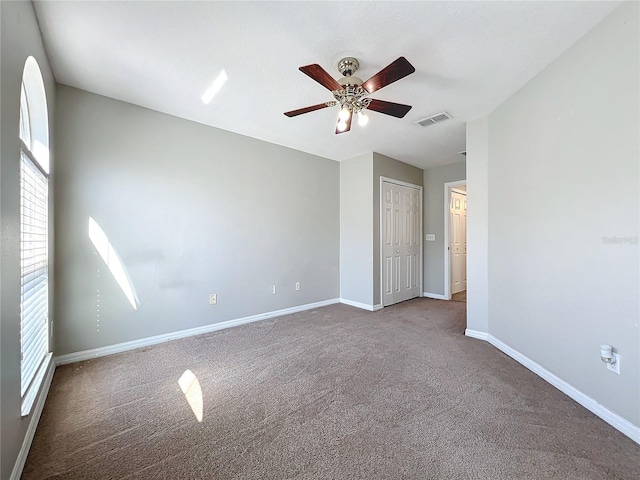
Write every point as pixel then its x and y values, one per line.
pixel 448 187
pixel 421 221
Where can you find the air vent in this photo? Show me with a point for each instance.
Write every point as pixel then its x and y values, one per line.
pixel 437 118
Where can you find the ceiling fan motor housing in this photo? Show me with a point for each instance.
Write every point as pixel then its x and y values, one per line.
pixel 348 66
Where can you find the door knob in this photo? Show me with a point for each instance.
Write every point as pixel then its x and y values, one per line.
pixel 397 251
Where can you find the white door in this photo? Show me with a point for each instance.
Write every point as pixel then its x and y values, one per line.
pixel 458 241
pixel 401 237
pixel 391 243
pixel 411 238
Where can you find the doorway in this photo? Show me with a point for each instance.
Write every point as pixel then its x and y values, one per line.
pixel 400 241
pixel 455 240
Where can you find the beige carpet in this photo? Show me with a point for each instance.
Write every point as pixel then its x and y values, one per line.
pixel 334 393
pixel 460 296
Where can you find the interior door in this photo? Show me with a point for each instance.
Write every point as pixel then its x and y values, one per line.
pixel 411 251
pixel 458 241
pixel 401 211
pixel 391 244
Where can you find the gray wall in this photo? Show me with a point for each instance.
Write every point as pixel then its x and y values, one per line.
pixel 20 37
pixel 191 210
pixel 356 227
pixel 477 225
pixel 562 178
pixel 384 166
pixel 434 180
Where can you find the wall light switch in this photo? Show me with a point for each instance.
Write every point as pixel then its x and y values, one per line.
pixel 273 289
pixel 430 237
pixel 297 285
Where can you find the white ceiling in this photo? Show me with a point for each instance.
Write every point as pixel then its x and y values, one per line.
pixel 469 57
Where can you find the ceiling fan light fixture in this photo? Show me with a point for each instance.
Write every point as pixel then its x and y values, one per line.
pixel 345 113
pixel 351 94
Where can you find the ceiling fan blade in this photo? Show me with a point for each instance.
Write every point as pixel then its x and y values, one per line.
pixel 389 74
pixel 389 108
pixel 312 108
pixel 348 121
pixel 321 76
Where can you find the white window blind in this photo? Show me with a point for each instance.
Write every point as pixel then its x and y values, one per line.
pixel 34 305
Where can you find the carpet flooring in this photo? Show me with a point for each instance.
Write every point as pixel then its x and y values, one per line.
pixel 332 393
pixel 460 296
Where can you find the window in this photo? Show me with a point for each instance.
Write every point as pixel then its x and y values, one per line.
pixel 34 214
pixel 25 129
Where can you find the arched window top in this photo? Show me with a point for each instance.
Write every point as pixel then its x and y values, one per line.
pixel 34 119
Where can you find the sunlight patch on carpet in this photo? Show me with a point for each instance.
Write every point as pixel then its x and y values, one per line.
pixel 190 386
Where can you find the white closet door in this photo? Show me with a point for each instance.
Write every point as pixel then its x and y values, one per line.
pixel 411 240
pixel 391 244
pixel 401 212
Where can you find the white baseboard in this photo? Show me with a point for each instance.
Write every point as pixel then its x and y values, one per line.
pixel 364 306
pixel 145 342
pixel 476 334
pixel 33 422
pixel 377 307
pixel 616 421
pixel 437 296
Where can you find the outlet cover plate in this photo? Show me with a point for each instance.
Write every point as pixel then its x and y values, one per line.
pixel 615 368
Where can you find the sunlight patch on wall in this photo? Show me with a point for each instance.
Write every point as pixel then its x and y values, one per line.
pixel 215 87
pixel 110 257
pixel 190 386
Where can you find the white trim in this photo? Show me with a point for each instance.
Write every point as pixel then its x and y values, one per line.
pixel 33 422
pixel 30 396
pixel 377 307
pixel 447 259
pixel 437 296
pixel 476 334
pixel 145 342
pixel 616 421
pixel 364 306
pixel 399 182
pixel 380 213
pixel 420 227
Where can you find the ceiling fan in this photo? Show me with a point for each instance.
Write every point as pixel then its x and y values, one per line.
pixel 351 93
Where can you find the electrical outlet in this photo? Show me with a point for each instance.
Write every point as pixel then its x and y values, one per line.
pixel 297 285
pixel 273 289
pixel 430 237
pixel 615 368
pixel 213 299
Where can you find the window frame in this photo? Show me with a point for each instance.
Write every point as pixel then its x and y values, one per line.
pixel 34 296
